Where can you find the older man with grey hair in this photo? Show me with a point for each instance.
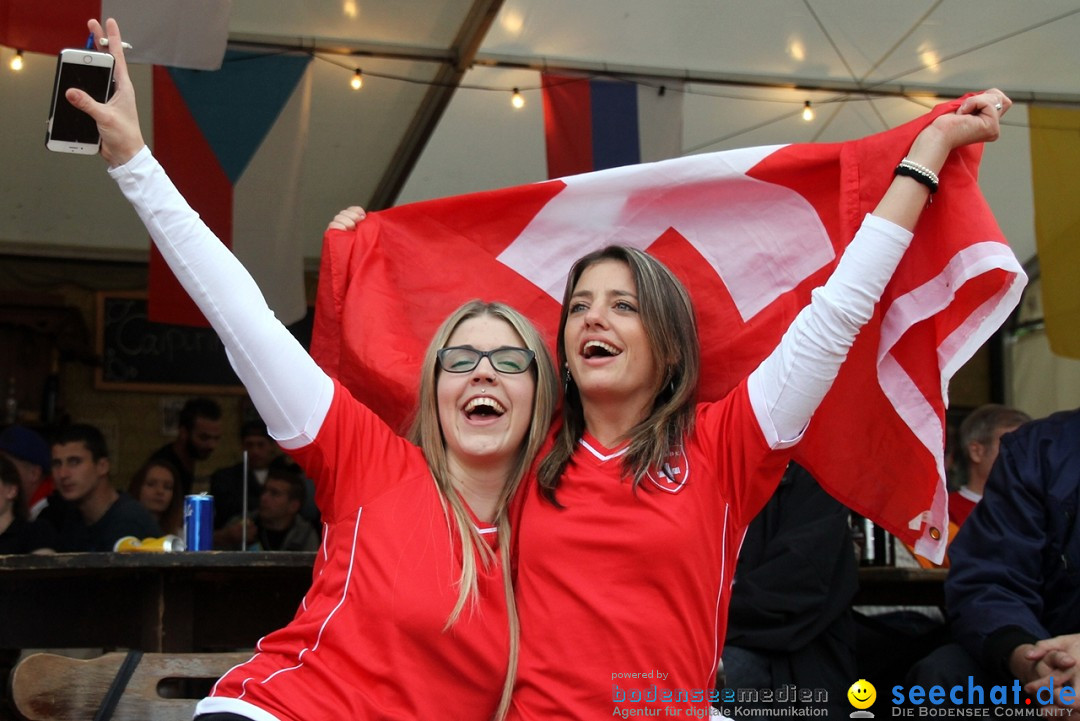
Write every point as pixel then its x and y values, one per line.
pixel 980 436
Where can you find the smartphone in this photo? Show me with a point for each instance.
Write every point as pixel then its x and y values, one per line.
pixel 70 130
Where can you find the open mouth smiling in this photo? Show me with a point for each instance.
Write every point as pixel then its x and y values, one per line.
pixel 599 349
pixel 483 407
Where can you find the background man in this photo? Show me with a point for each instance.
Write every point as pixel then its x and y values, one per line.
pixel 29 452
pixel 197 436
pixel 790 619
pixel 227 484
pixel 80 462
pixel 980 436
pixel 17 534
pixel 1013 593
pixel 277 525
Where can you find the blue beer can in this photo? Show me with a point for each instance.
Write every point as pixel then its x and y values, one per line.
pixel 199 522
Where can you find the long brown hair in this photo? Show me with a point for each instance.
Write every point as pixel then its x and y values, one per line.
pixel 9 476
pixel 668 318
pixel 172 518
pixel 426 432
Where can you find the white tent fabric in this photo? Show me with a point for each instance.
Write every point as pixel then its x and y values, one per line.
pixel 434 116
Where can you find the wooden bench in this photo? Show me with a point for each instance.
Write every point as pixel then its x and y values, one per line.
pixel 161 686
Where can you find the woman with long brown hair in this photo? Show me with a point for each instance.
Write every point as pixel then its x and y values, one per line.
pixel 628 541
pixel 156 485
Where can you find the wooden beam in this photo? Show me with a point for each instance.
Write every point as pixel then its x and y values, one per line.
pixel 465 46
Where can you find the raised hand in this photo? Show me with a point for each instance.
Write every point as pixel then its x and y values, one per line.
pixel 977 120
pixel 348 218
pixel 118 119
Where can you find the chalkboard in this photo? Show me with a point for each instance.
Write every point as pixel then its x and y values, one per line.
pixel 136 354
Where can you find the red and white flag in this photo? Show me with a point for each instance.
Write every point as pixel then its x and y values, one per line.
pixel 189 34
pixel 751 233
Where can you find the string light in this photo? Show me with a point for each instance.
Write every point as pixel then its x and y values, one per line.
pixel 357 81
pixel 17 61
pixel 516 100
pixel 807 112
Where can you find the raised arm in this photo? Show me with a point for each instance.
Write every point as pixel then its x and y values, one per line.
pixel 789 385
pixel 291 392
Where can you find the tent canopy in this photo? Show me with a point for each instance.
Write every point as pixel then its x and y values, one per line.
pixel 434 116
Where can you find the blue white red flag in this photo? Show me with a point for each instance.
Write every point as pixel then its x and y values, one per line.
pixel 233 141
pixel 599 123
pixel 751 233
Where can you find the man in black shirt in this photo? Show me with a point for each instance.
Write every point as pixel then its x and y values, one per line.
pixel 81 469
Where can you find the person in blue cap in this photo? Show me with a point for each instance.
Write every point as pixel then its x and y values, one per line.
pixel 29 453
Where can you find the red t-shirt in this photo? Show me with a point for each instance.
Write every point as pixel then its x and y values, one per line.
pixel 961 503
pixel 620 582
pixel 40 498
pixel 367 641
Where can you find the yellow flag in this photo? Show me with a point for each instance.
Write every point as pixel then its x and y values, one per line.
pixel 1055 175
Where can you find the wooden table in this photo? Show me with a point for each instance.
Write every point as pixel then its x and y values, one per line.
pixel 194 601
pixel 220 600
pixel 893 586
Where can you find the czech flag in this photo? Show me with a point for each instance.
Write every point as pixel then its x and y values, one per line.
pixel 233 141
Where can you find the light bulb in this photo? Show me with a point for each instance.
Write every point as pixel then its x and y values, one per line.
pixel 807 112
pixel 357 81
pixel 17 61
pixel 516 100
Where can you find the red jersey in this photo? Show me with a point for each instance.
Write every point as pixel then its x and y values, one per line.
pixel 40 498
pixel 367 641
pixel 961 503
pixel 623 594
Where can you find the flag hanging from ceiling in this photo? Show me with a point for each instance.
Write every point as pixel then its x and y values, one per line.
pixel 233 141
pixel 189 34
pixel 598 123
pixel 1055 175
pixel 751 233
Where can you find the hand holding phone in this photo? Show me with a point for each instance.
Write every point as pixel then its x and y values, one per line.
pixel 70 130
pixel 114 115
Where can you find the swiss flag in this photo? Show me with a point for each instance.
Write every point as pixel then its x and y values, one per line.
pixel 751 233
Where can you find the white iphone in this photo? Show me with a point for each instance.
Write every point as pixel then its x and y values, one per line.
pixel 70 130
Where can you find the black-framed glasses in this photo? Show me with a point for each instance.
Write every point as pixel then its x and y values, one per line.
pixel 462 359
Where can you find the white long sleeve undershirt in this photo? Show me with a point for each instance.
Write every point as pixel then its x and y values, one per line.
pixel 288 388
pixel 790 384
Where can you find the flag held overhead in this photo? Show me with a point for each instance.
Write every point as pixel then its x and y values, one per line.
pixel 876 442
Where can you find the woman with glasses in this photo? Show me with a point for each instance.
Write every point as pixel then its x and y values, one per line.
pixel 411 608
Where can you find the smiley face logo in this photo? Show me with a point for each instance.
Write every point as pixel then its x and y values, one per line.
pixel 862 694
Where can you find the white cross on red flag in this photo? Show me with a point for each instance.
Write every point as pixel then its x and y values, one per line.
pixel 751 233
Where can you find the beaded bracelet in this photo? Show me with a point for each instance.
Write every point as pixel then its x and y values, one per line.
pixel 920 173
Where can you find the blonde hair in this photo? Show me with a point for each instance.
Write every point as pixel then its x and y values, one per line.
pixel 668 318
pixel 426 432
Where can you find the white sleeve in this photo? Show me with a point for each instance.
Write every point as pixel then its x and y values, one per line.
pixel 288 388
pixel 788 386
